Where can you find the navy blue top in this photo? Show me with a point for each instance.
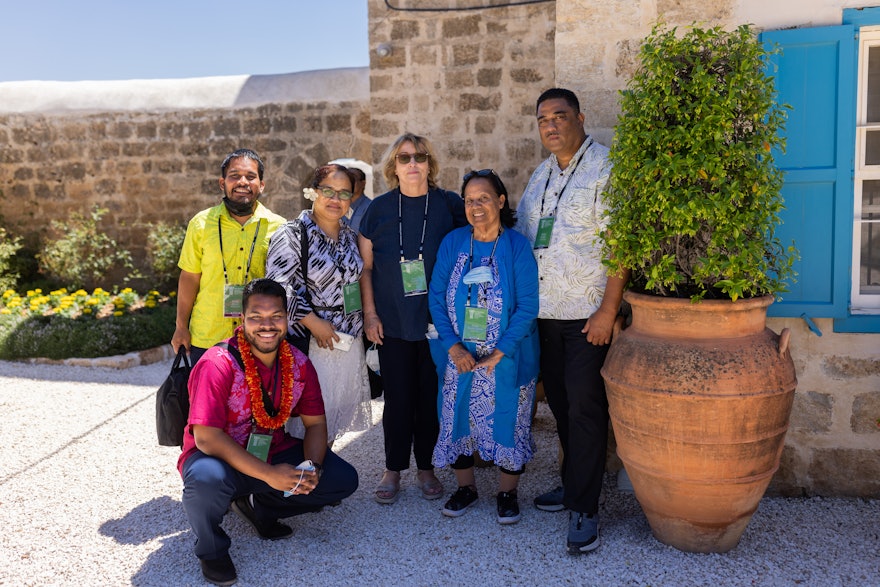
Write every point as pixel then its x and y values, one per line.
pixel 407 317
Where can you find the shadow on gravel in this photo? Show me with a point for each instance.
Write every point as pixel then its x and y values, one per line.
pixel 156 518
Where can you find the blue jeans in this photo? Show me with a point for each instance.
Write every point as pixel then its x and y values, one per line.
pixel 210 485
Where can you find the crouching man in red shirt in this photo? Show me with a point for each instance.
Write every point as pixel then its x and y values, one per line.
pixel 235 451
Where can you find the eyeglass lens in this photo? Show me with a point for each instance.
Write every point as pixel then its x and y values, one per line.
pixel 404 158
pixel 330 193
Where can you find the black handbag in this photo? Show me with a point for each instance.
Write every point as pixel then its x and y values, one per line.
pixel 172 402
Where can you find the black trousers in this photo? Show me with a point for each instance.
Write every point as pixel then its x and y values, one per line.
pixel 410 419
pixel 576 394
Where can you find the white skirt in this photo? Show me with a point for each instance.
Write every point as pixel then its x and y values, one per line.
pixel 344 387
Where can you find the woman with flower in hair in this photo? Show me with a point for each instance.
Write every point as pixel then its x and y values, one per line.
pixel 316 259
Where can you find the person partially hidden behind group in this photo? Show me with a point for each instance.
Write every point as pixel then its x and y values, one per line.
pixel 484 301
pixel 235 450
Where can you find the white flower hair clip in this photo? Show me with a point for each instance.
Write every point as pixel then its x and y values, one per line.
pixel 311 194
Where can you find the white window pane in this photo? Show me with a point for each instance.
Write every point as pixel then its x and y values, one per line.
pixel 873 94
pixel 869 270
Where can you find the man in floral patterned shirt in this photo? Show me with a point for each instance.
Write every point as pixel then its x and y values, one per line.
pixel 561 213
pixel 235 450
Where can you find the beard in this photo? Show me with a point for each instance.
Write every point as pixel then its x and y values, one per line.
pixel 240 208
pixel 261 345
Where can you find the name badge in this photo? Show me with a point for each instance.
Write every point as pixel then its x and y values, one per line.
pixel 414 281
pixel 545 232
pixel 258 445
pixel 232 300
pixel 351 297
pixel 476 322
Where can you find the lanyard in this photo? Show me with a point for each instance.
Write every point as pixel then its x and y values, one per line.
pixel 251 256
pixel 565 185
pixel 400 224
pixel 471 259
pixel 269 400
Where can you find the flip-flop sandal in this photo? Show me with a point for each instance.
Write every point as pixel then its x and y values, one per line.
pixel 391 491
pixel 431 488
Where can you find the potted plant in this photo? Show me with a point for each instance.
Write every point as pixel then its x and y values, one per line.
pixel 699 390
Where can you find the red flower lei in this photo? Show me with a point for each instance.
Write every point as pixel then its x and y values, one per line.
pixel 255 389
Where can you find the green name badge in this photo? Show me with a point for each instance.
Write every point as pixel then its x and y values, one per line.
pixel 351 297
pixel 545 232
pixel 258 445
pixel 414 281
pixel 232 300
pixel 476 322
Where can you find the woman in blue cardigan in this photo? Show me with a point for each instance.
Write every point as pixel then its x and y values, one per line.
pixel 483 299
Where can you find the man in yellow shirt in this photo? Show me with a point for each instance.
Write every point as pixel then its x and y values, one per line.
pixel 225 247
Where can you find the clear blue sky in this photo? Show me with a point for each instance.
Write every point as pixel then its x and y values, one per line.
pixel 70 40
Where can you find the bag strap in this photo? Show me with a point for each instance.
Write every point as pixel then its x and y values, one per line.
pixel 304 260
pixel 181 354
pixel 232 351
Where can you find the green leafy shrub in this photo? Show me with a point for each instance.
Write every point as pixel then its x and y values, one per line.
pixel 61 325
pixel 9 247
pixel 694 193
pixel 164 243
pixel 83 255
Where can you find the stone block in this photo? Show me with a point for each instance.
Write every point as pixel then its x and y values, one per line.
pixel 460 150
pixel 380 83
pixel 493 53
pixel 465 55
pixel 489 78
pixel 423 55
pixel 227 127
pixel 108 187
pixel 272 145
pixel 13 155
pixel 450 125
pixel 785 482
pixel 107 149
pixel 390 105
pixel 677 12
pixel 134 149
pixel 812 412
pixel 397 58
pixel 169 166
pixel 457 79
pixel 23 173
pixel 466 26
pixel 209 187
pixel 313 124
pixel 20 191
pixel 256 126
pixel 381 128
pixel 284 124
pixel 147 130
pixel 479 102
pixel 404 30
pixel 484 125
pixel 338 123
pixel 846 472
pixel 845 367
pixel 362 122
pixel 198 131
pixel 73 171
pixel 122 130
pixel 161 149
pixel 526 75
pixel 866 413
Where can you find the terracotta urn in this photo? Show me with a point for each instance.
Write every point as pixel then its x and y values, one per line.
pixel 700 396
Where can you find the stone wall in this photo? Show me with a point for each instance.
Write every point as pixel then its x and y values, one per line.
pixel 833 444
pixel 467 80
pixel 147 166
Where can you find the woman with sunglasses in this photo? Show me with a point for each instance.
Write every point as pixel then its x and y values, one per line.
pixel 399 237
pixel 484 301
pixel 323 297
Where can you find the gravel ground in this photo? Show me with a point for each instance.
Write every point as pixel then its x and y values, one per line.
pixel 88 498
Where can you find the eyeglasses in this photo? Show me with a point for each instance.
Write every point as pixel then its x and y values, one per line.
pixel 330 193
pixel 405 158
pixel 481 173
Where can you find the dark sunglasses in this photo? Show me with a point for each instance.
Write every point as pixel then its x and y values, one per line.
pixel 405 158
pixel 330 193
pixel 481 173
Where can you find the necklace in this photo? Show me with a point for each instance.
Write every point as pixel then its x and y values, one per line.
pixel 258 396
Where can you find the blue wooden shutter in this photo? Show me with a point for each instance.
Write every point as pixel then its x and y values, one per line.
pixel 815 75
